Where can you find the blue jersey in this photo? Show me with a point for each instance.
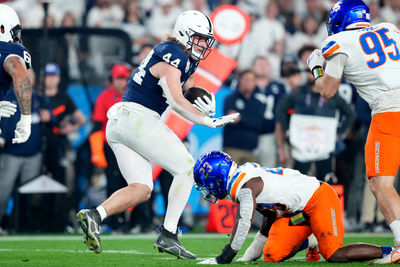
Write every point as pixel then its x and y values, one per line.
pixel 270 97
pixel 6 50
pixel 143 87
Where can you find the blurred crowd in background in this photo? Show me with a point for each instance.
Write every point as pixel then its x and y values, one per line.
pixel 270 83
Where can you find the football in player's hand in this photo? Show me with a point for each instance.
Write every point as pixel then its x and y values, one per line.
pixel 194 92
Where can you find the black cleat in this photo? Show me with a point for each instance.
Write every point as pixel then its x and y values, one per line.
pixel 89 220
pixel 169 243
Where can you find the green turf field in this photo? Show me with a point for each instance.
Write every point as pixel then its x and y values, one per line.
pixel 136 250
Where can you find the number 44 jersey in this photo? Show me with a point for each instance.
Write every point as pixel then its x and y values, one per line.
pixel 143 87
pixel 7 50
pixel 373 63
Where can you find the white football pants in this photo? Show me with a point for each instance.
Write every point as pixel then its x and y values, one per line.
pixel 138 137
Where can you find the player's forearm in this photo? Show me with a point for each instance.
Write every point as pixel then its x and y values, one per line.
pixel 15 67
pixel 181 106
pixel 242 225
pixel 23 91
pixel 327 86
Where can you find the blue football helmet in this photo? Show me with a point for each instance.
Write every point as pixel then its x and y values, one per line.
pixel 211 173
pixel 347 14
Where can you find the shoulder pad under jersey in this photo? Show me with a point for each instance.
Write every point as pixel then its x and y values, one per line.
pixel 333 45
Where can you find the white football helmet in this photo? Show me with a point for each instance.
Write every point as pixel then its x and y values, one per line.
pixel 194 23
pixel 10 26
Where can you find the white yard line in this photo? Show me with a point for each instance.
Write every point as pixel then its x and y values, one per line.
pixel 35 237
pixel 132 252
pixel 8 238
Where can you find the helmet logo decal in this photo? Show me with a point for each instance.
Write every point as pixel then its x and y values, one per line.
pixel 206 169
pixel 336 7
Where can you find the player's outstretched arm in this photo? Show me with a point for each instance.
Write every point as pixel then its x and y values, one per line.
pixel 247 203
pixel 15 67
pixel 169 80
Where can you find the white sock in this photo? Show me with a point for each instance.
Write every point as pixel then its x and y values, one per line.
pixel 312 241
pixel 102 211
pixel 395 226
pixel 178 196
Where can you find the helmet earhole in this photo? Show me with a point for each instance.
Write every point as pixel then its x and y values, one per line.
pixel 2 29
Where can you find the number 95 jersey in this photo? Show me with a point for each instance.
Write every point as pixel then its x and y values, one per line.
pixel 373 63
pixel 143 87
pixel 7 50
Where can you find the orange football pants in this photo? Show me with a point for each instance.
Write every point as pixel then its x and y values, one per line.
pixel 382 149
pixel 325 222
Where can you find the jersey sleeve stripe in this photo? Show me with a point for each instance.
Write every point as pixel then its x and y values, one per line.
pixel 232 180
pixel 236 185
pixel 328 46
pixel 331 51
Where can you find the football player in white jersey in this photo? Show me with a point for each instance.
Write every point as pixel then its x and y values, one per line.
pixel 305 206
pixel 367 56
pixel 138 136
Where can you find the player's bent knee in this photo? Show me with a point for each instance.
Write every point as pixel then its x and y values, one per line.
pixel 274 254
pixel 141 190
pixel 378 184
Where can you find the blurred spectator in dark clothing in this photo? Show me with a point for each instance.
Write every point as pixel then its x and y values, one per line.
pixel 269 92
pixel 306 104
pixel 241 138
pixel 291 78
pixel 68 119
pixel 21 160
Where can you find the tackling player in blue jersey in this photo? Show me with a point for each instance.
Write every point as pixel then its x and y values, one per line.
pixel 138 136
pixel 14 62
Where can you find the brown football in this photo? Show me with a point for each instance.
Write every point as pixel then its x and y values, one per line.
pixel 194 92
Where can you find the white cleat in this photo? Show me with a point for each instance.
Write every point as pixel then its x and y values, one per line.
pixel 393 257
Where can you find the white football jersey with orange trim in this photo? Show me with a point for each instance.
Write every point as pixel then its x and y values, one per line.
pixel 284 189
pixel 373 63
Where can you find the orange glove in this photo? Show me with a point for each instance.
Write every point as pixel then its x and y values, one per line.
pixel 96 141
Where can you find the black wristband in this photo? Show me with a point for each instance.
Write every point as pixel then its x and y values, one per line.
pixel 226 256
pixel 317 72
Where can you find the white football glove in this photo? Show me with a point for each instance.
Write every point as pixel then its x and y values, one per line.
pixel 23 129
pixel 7 109
pixel 209 261
pixel 221 121
pixel 315 59
pixel 255 250
pixel 206 106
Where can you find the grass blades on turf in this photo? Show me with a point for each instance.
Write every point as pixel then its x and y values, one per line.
pixel 137 250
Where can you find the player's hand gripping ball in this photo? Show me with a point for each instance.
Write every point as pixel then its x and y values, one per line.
pixel 201 99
